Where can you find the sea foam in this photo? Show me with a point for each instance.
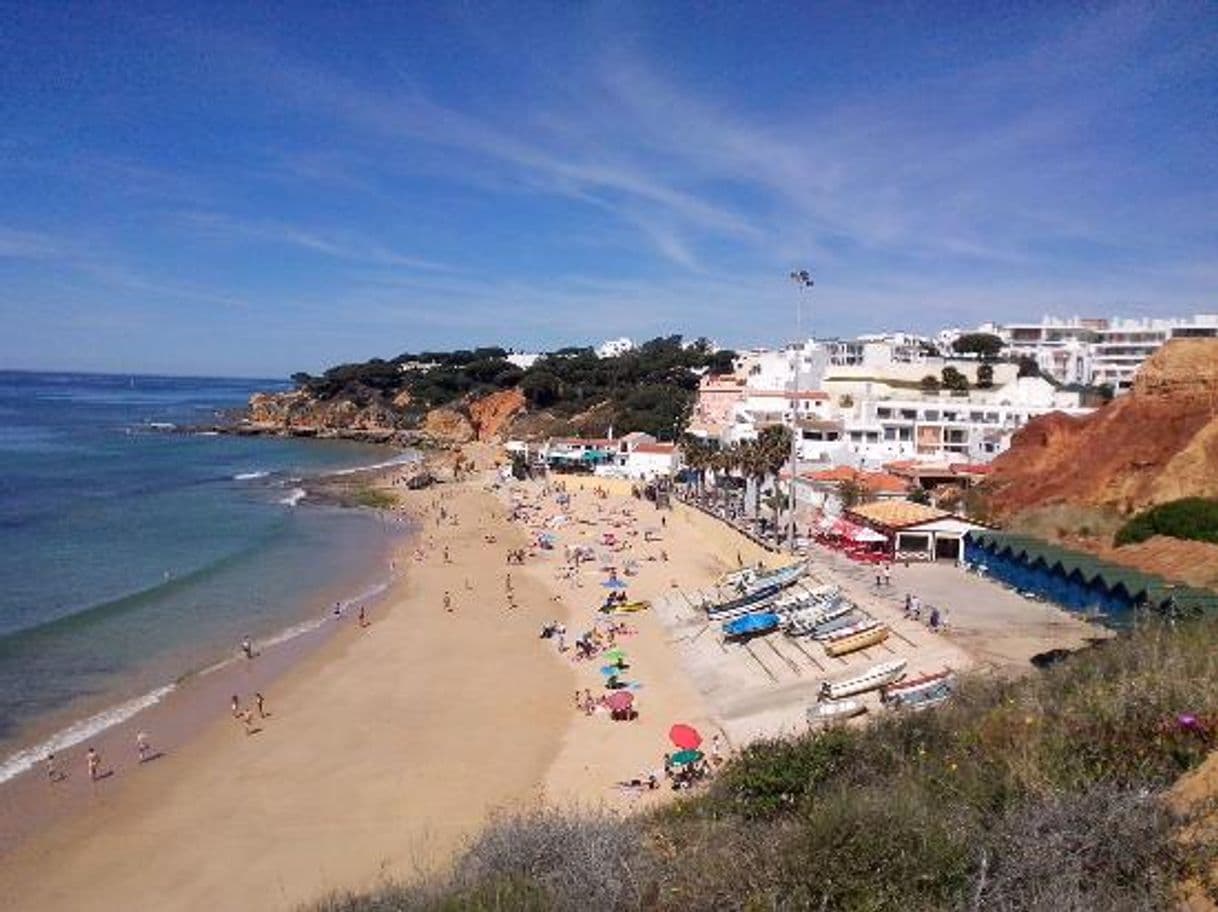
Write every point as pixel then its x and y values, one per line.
pixel 18 763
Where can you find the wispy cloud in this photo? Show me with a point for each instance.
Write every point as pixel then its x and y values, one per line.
pixel 339 245
pixel 27 245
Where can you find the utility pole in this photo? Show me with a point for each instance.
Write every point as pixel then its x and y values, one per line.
pixel 803 281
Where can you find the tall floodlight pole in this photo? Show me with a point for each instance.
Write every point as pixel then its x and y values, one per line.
pixel 803 281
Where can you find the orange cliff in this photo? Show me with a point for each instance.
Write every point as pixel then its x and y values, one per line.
pixel 1157 443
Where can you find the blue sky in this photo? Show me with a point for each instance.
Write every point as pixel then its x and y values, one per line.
pixel 258 188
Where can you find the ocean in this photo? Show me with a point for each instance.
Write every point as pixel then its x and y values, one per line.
pixel 135 554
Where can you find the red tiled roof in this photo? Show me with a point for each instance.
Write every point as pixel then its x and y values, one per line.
pixel 664 448
pixel 876 482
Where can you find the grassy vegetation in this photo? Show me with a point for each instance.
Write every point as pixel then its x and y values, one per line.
pixel 374 498
pixel 1194 518
pixel 1038 794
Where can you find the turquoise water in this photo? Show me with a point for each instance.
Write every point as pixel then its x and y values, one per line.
pixel 132 555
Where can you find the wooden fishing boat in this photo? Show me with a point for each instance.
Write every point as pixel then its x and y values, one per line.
pixel 859 626
pixel 751 578
pixel 835 711
pixel 912 685
pixel 744 604
pixel 869 679
pixel 926 697
pixel 799 600
pixel 803 623
pixel 751 625
pixel 855 642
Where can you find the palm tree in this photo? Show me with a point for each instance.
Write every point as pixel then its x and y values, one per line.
pixel 774 444
pixel 697 454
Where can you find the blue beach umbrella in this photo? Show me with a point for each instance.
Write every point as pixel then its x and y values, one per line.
pixel 614 584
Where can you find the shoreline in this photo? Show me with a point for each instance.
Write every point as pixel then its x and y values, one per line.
pixel 174 712
pixel 83 718
pixel 228 779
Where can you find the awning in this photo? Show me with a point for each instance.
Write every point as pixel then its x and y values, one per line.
pixel 863 534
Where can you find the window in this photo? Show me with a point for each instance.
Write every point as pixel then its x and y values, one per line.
pixel 931 415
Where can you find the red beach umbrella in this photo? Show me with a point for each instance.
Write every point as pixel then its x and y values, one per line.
pixel 684 736
pixel 619 700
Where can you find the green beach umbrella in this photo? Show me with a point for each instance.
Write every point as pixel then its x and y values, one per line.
pixel 685 757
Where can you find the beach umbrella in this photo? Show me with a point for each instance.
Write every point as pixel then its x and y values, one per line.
pixel 614 654
pixel 684 736
pixel 613 584
pixel 619 700
pixel 610 670
pixel 685 757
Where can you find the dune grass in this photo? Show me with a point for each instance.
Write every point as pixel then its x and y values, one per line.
pixel 1035 794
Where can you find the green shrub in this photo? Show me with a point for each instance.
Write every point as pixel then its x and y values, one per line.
pixel 1193 518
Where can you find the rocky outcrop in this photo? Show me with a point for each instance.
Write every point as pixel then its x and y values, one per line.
pixel 298 413
pixel 492 415
pixel 447 426
pixel 1157 443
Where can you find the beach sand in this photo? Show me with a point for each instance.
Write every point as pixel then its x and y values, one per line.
pixel 383 750
pixel 390 745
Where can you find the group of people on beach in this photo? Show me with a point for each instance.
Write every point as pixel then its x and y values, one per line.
pixel 93 760
pixel 245 715
pixel 936 619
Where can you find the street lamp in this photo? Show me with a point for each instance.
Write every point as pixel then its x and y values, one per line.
pixel 803 281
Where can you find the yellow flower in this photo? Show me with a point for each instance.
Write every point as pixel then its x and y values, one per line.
pixel 952 767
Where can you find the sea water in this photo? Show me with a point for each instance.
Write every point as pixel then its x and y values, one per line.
pixel 133 553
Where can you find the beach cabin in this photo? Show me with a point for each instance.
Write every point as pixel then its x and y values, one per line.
pixel 1077 580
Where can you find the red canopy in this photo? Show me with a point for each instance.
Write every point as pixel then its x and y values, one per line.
pixel 684 736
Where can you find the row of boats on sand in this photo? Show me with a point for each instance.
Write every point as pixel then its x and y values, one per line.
pixel 764 601
pixel 761 601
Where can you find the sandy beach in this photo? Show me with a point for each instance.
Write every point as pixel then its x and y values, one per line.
pixel 391 744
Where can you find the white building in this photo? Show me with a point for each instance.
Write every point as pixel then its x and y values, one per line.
pixel 523 360
pixel 640 456
pixel 938 427
pixel 611 348
pixel 1095 351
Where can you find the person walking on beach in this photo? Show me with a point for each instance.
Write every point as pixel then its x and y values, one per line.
pixel 363 619
pixel 447 559
pixel 261 703
pixel 908 605
pixel 52 771
pixel 879 577
pixel 143 749
pixel 448 601
pixel 247 646
pixel 338 610
pixel 93 759
pixel 888 574
pixel 236 705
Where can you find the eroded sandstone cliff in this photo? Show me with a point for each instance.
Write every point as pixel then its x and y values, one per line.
pixel 1157 443
pixel 396 420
